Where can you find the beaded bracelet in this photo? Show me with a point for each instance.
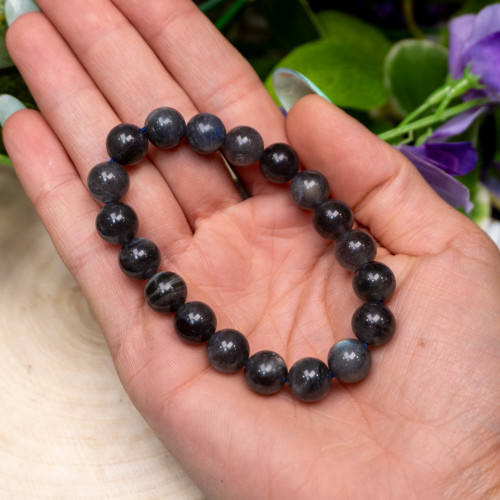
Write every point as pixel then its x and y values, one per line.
pixel 265 372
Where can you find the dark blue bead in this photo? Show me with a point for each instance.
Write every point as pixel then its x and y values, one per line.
pixel 117 223
pixel 373 281
pixel 165 292
pixel 227 350
pixel 243 146
pixel 332 218
pixel 195 322
pixel 165 127
pixel 279 163
pixel 266 372
pixel 373 323
pixel 108 181
pixel 349 360
pixel 205 133
pixel 354 248
pixel 309 189
pixel 127 144
pixel 309 379
pixel 139 258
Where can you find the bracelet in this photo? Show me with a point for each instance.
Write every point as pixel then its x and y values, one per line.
pixel 309 379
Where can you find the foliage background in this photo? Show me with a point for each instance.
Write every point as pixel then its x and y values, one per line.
pixel 342 47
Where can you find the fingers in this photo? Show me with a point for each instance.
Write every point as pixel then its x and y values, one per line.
pixel 214 75
pixel 65 207
pixel 114 68
pixel 385 191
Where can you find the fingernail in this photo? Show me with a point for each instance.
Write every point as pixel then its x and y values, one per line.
pixel 15 8
pixel 8 106
pixel 290 85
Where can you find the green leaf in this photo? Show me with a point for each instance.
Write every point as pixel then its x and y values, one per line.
pixel 293 22
pixel 348 30
pixel 350 77
pixel 413 70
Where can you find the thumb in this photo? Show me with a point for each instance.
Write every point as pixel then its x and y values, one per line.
pixel 385 191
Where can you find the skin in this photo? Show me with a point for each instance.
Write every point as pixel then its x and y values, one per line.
pixel 424 424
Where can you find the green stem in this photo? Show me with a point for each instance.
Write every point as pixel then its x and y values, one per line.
pixel 5 160
pixel 209 4
pixel 408 12
pixel 431 120
pixel 222 22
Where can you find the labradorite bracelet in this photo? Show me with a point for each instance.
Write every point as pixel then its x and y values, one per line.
pixel 309 379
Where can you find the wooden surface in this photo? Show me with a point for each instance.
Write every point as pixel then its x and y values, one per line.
pixel 67 427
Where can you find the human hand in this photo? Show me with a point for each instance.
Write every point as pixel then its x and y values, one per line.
pixel 424 424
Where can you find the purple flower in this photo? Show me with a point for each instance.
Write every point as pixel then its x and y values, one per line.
pixel 438 161
pixel 475 41
pixel 433 171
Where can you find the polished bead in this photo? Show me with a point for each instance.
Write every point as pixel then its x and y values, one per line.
pixel 243 146
pixel 349 360
pixel 332 218
pixel 195 322
pixel 108 181
pixel 205 133
pixel 309 379
pixel 373 323
pixel 279 163
pixel 309 189
pixel 165 291
pixel 266 372
pixel 165 127
pixel 139 258
pixel 354 248
pixel 117 223
pixel 227 350
pixel 127 144
pixel 373 281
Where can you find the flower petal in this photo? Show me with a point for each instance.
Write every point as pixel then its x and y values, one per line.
pixel 460 29
pixel 484 57
pixel 458 124
pixel 486 23
pixel 451 190
pixel 455 158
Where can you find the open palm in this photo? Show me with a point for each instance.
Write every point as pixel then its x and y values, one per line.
pixel 424 424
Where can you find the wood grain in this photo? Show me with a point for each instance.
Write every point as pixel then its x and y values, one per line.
pixel 67 427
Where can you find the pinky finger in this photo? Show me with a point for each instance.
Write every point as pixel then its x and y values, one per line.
pixel 60 198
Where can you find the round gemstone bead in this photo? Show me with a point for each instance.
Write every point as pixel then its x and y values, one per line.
pixel 309 189
pixel 332 218
pixel 309 379
pixel 373 323
pixel 139 258
pixel 165 127
pixel 108 181
pixel 127 144
pixel 227 350
pixel 266 372
pixel 279 163
pixel 354 248
pixel 117 223
pixel 195 322
pixel 373 281
pixel 349 360
pixel 243 146
pixel 165 291
pixel 205 133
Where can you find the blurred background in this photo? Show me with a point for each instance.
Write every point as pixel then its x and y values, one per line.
pixel 345 49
